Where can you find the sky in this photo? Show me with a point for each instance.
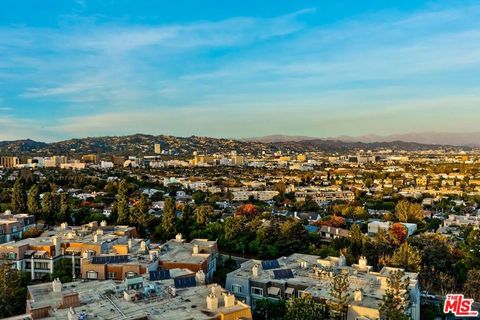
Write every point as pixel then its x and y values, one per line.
pixel 237 68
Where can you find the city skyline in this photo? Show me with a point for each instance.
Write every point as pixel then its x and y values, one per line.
pixel 95 68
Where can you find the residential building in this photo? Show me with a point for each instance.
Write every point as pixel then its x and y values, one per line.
pixel 134 298
pixel 299 275
pixel 13 226
pixel 9 162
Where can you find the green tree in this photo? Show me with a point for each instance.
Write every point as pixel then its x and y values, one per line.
pixel 186 220
pixel 33 201
pixel 304 309
pixel 203 213
pixel 339 293
pixel 406 257
pixel 396 300
pixel 18 196
pixel 48 207
pixel 64 210
pixel 122 207
pixel 472 285
pixel 12 291
pixel 169 217
pixel 63 270
pixel 266 309
pixel 409 212
pixel 144 203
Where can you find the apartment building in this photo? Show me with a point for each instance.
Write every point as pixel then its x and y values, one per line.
pixel 321 196
pixel 9 162
pixel 134 298
pixel 462 220
pixel 38 256
pixel 13 226
pixel 244 195
pixel 299 275
pixel 196 255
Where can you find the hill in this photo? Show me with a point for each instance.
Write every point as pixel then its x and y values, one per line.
pixel 142 144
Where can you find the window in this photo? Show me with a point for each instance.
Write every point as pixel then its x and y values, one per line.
pixel 130 274
pixel 236 288
pixel 257 291
pixel 112 275
pixel 12 255
pixel 92 275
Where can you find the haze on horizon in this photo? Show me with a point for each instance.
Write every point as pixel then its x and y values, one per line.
pixel 246 69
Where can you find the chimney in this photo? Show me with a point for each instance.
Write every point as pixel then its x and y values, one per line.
pixel 129 243
pixel 229 300
pixel 103 223
pixel 256 270
pixel 212 302
pixel 179 237
pixel 143 246
pixel 342 261
pixel 100 232
pixel 57 285
pixel 216 289
pixel 95 238
pixel 196 249
pixel 358 295
pixel 58 245
pixel 362 262
pixel 200 276
pixel 64 226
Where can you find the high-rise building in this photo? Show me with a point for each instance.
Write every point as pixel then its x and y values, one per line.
pixel 9 162
pixel 158 148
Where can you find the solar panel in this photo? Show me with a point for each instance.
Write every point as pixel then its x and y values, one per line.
pixel 109 259
pixel 185 282
pixel 159 275
pixel 283 274
pixel 270 264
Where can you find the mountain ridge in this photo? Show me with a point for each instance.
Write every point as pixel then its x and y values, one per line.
pixel 142 144
pixel 470 139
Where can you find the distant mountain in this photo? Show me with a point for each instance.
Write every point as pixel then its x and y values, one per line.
pixel 439 138
pixel 471 139
pixel 142 144
pixel 278 138
pixel 21 146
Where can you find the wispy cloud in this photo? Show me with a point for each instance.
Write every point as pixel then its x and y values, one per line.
pixel 278 74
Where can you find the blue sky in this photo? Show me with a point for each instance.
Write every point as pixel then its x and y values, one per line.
pixel 237 68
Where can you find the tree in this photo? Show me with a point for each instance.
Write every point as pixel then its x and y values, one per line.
pixel 122 207
pixel 247 210
pixel 339 293
pixel 48 207
pixel 64 210
pixel 398 233
pixel 472 285
pixel 304 309
pixel 12 291
pixel 406 257
pixel 356 240
pixel 409 212
pixel 168 219
pixel 280 187
pixel 266 309
pixel 18 196
pixel 447 283
pixel 202 214
pixel 186 220
pixel 143 204
pixel 198 197
pixel 63 270
pixel 33 201
pixel 396 300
